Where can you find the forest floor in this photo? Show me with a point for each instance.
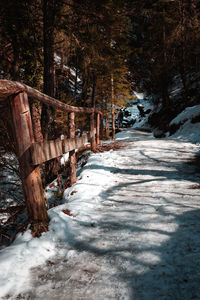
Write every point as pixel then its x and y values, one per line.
pixel 134 233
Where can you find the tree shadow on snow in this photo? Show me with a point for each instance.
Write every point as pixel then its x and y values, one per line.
pixel 153 249
pixel 179 167
pixel 177 273
pixel 160 262
pixel 168 269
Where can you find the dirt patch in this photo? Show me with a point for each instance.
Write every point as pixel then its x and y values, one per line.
pixel 67 212
pixel 195 186
pixel 111 146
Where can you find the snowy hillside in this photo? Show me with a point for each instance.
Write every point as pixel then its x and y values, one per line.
pixel 188 124
pixel 180 120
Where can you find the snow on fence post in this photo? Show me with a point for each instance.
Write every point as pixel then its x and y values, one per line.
pixel 30 175
pixel 98 129
pixel 72 154
pixel 92 134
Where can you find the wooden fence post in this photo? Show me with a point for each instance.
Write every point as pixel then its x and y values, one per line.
pixel 92 134
pixel 72 154
pixel 30 175
pixel 98 129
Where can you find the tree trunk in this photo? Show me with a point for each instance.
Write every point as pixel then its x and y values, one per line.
pixel 92 134
pixel 72 154
pixel 15 67
pixel 48 48
pixel 164 84
pixel 94 91
pixel 98 129
pixel 112 107
pixel 76 83
pixel 183 72
pixel 85 86
pixel 165 92
pixel 48 35
pixel 107 129
pixel 101 127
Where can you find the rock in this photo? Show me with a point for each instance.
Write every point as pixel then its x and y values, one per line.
pixel 157 133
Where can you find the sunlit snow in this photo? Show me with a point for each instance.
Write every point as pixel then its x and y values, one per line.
pixel 134 233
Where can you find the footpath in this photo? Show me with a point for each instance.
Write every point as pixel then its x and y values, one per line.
pixel 135 230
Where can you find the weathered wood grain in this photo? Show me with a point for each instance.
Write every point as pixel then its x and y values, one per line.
pixel 30 175
pixel 8 88
pixel 44 151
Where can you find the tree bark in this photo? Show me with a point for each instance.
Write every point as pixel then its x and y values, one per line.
pixel 98 129
pixel 92 135
pixel 164 76
pixel 48 40
pixel 72 154
pixel 101 127
pixel 183 72
pixel 94 91
pixel 112 107
pixel 107 129
pixel 48 48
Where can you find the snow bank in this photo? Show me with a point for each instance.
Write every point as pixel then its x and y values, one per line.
pixel 17 260
pixel 188 131
pixel 188 113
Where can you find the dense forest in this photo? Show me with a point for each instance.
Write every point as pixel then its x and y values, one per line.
pixel 96 54
pixel 81 51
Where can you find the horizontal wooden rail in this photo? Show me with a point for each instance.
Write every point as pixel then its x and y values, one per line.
pixel 44 151
pixel 34 94
pixel 8 88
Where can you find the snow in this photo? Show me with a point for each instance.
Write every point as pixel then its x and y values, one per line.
pixel 64 159
pixel 134 111
pixel 188 113
pixel 188 131
pixel 139 95
pixel 16 261
pixel 142 122
pixel 133 233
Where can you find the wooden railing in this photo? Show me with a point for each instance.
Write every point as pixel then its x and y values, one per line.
pixel 30 153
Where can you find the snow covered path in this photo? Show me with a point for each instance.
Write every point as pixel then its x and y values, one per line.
pixel 135 234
